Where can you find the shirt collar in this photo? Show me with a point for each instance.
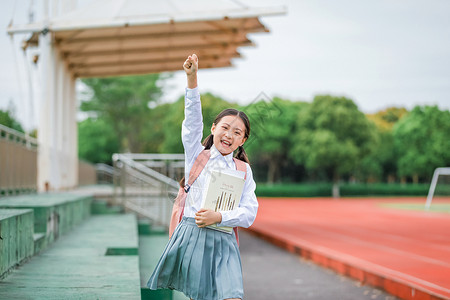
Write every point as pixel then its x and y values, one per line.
pixel 228 158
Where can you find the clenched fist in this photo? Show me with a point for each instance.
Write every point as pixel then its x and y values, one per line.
pixel 190 66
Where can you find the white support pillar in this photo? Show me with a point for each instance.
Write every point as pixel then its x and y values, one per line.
pixel 68 124
pixel 52 115
pixel 60 134
pixel 57 127
pixel 65 148
pixel 45 124
pixel 73 133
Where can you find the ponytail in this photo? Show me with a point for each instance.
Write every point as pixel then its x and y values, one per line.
pixel 241 155
pixel 208 142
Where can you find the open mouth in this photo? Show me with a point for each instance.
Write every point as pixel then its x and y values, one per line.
pixel 226 143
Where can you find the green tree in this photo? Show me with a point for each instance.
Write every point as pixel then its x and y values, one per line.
pixel 332 135
pixel 422 141
pixel 387 118
pixel 8 119
pixel 381 163
pixel 152 135
pixel 123 102
pixel 272 124
pixel 97 141
pixel 172 127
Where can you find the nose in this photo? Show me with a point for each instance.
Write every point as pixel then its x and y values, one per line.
pixel 228 134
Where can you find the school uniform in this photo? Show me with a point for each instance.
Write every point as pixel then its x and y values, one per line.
pixel 203 263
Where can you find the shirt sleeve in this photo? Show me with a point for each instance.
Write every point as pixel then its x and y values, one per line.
pixel 192 128
pixel 245 214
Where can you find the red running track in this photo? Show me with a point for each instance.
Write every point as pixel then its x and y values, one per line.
pixel 405 252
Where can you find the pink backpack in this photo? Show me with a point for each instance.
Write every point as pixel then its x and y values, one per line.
pixel 178 205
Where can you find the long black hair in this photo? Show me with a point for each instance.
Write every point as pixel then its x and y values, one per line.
pixel 209 140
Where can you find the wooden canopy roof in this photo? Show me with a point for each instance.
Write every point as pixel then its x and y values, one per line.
pixel 113 38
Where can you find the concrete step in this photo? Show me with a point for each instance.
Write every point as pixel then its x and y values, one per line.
pixel 16 238
pixel 102 207
pixel 77 266
pixel 39 241
pixel 54 213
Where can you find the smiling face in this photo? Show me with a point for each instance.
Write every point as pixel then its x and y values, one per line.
pixel 229 134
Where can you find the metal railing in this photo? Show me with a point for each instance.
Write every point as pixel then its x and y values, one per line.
pixel 105 173
pixel 146 185
pixel 18 162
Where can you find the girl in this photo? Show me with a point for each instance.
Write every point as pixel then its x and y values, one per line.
pixel 203 263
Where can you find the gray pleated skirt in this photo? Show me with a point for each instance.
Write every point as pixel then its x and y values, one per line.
pixel 203 263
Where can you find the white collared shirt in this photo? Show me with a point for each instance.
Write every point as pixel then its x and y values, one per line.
pixel 191 134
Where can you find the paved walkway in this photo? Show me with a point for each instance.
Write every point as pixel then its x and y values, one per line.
pixel 404 252
pixel 273 273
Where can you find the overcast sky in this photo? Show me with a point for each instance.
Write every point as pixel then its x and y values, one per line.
pixel 379 53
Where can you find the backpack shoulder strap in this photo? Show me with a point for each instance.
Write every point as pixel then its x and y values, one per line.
pixel 241 166
pixel 178 206
pixel 197 167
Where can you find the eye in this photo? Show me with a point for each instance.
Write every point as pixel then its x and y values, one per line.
pixel 237 133
pixel 224 127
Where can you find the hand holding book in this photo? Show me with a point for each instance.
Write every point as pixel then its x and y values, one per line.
pixel 205 217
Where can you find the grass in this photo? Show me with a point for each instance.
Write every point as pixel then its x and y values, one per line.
pixel 437 207
pixel 347 189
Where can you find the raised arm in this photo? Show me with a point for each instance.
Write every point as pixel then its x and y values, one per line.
pixel 190 66
pixel 192 128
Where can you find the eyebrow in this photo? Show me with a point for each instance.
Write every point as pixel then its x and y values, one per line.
pixel 230 126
